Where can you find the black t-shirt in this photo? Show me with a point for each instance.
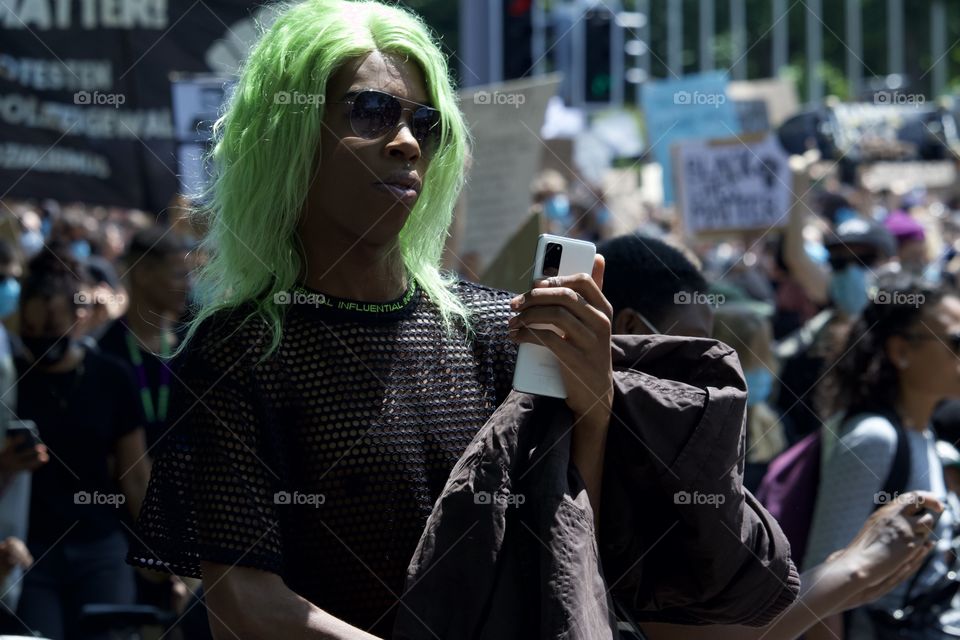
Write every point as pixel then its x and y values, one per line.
pixel 80 414
pixel 114 343
pixel 323 462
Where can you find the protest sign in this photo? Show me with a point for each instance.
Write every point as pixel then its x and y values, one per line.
pixel 733 184
pixel 505 120
pixel 694 107
pixel 779 95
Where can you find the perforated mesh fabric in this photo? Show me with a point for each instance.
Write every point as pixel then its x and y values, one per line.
pixel 322 464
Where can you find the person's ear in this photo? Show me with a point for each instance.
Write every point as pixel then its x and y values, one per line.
pixel 898 351
pixel 629 322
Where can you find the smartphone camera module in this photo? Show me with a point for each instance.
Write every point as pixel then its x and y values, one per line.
pixel 551 260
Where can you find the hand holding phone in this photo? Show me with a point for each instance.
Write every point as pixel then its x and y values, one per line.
pixel 23 450
pixel 538 370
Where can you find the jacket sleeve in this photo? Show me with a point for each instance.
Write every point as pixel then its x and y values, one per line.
pixel 682 540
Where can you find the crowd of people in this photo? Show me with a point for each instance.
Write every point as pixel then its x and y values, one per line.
pixel 243 415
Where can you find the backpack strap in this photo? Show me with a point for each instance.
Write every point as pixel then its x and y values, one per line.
pixel 896 482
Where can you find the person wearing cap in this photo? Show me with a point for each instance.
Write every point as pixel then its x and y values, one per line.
pixel 911 241
pixel 856 250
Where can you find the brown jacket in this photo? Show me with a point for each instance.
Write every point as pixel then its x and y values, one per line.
pixel 510 552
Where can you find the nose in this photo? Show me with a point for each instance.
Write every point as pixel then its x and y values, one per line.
pixel 402 145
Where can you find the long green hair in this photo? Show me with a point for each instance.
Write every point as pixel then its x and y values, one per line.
pixel 264 149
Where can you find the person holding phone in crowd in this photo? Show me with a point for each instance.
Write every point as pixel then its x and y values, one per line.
pixel 335 375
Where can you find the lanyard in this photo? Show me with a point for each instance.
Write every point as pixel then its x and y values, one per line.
pixel 163 394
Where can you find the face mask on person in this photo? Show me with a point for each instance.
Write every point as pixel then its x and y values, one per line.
pixel 848 290
pixel 759 385
pixel 557 207
pixel 31 242
pixel 9 296
pixel 842 215
pixel 48 350
pixel 80 249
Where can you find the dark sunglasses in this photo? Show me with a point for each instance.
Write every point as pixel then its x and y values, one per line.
pixel 375 113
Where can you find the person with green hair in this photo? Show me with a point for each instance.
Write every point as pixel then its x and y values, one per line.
pixel 333 375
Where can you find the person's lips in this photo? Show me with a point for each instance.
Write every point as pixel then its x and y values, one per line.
pixel 404 186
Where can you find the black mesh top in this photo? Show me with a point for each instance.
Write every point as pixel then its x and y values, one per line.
pixel 322 463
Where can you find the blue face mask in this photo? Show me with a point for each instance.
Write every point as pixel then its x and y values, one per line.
pixel 842 215
pixel 557 208
pixel 9 296
pixel 848 290
pixel 759 385
pixel 80 249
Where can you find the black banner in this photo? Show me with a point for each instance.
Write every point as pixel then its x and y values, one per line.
pixel 85 100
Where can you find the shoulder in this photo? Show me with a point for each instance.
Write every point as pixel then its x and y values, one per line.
pixel 227 338
pixel 104 365
pixel 112 340
pixel 869 434
pixel 486 305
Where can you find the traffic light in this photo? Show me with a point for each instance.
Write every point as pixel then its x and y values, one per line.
pixel 598 73
pixel 517 36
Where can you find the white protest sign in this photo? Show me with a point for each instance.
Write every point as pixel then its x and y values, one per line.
pixel 505 120
pixel 732 185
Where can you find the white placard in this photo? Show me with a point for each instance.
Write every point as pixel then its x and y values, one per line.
pixel 505 120
pixel 733 184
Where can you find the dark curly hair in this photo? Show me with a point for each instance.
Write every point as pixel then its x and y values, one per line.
pixel 864 379
pixel 645 274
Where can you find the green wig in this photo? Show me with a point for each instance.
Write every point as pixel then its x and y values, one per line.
pixel 265 146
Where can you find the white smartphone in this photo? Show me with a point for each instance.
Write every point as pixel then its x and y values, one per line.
pixel 538 370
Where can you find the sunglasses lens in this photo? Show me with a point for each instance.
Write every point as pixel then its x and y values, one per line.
pixel 374 113
pixel 426 127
